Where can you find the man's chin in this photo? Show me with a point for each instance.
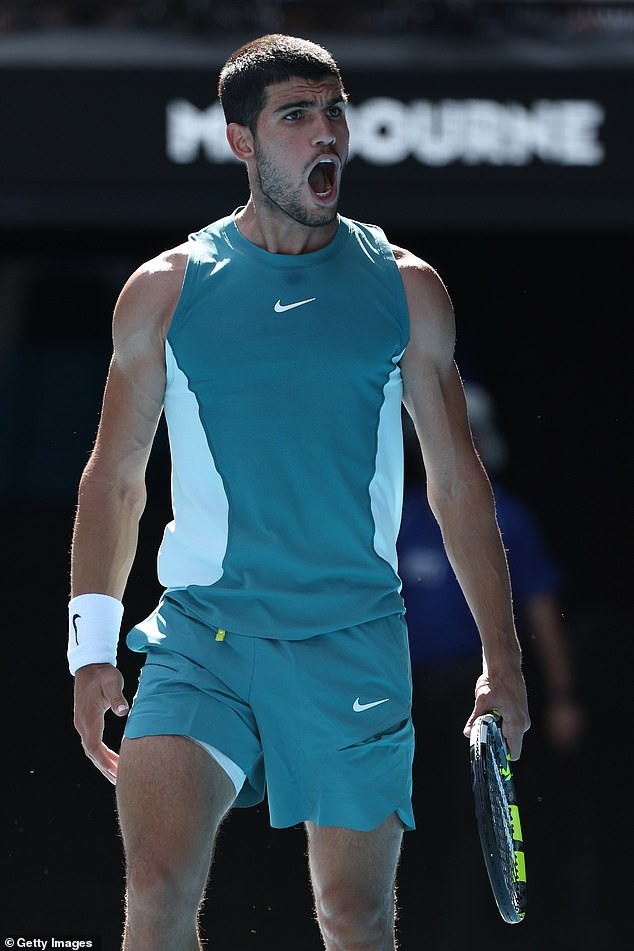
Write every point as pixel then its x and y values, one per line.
pixel 320 217
pixel 323 221
pixel 316 217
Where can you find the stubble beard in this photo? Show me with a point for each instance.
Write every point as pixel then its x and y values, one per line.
pixel 278 191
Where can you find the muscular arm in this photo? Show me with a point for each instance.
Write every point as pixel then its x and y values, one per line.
pixel 460 494
pixel 112 487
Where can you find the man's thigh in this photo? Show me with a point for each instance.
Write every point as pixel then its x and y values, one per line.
pixel 171 797
pixel 355 868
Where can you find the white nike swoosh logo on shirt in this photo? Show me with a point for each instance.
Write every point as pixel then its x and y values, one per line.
pixel 280 307
pixel 360 707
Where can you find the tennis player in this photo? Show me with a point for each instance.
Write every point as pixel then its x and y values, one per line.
pixel 279 341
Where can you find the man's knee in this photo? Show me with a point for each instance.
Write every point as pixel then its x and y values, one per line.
pixel 351 919
pixel 156 887
pixel 353 876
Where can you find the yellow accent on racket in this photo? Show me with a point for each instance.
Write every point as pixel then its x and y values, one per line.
pixel 520 865
pixel 515 823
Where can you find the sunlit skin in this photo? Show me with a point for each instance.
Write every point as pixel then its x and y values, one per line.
pixel 301 124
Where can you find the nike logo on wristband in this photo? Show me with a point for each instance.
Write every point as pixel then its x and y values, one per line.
pixel 75 619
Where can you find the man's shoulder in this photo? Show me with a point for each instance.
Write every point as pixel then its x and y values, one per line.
pixel 407 259
pixel 418 276
pixel 151 293
pixel 165 266
pixel 160 274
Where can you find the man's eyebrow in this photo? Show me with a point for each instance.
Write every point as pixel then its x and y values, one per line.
pixel 309 104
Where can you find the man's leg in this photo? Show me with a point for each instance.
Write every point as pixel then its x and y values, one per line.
pixel 171 797
pixel 353 877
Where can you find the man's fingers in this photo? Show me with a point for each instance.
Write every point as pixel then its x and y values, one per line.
pixel 119 705
pixel 514 737
pixel 103 757
pixel 112 693
pixel 98 688
pixel 469 725
pixel 106 761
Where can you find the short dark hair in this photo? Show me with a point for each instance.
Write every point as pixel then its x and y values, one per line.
pixel 274 58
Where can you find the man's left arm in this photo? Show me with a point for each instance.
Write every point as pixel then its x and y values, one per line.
pixel 460 495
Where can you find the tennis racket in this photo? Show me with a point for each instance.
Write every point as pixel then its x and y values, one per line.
pixel 498 817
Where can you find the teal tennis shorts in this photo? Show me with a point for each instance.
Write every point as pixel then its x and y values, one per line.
pixel 323 725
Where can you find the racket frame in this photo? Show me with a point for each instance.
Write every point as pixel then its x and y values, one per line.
pixel 491 764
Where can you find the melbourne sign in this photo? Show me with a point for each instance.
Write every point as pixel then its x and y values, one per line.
pixel 386 131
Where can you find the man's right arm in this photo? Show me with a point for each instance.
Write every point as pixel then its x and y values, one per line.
pixel 112 487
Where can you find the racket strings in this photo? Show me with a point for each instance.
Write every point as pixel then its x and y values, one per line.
pixel 502 815
pixel 502 822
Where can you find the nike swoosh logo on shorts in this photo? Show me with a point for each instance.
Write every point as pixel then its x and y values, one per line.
pixel 280 307
pixel 360 707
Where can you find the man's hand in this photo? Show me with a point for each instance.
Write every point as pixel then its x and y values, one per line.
pixel 98 687
pixel 508 696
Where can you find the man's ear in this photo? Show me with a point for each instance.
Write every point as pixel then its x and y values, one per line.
pixel 240 139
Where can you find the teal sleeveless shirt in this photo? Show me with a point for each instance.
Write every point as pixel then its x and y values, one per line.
pixel 283 407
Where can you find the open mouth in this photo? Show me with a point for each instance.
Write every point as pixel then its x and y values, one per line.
pixel 322 178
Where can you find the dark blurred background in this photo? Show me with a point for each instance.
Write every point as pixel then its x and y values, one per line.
pixel 495 140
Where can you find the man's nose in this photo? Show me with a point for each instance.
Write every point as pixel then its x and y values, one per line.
pixel 324 133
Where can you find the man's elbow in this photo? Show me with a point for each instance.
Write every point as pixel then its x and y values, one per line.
pixel 125 492
pixel 460 496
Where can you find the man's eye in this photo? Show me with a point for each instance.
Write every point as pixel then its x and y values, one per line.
pixel 335 112
pixel 292 115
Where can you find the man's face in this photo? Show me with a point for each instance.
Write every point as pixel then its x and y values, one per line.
pixel 301 146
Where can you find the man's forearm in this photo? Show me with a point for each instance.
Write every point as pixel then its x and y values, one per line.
pixel 105 536
pixel 474 547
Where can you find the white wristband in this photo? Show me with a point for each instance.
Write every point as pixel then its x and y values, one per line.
pixel 93 630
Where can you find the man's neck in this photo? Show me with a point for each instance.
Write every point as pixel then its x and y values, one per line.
pixel 277 233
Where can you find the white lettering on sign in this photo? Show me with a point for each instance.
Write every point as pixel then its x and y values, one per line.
pixel 191 131
pixel 386 131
